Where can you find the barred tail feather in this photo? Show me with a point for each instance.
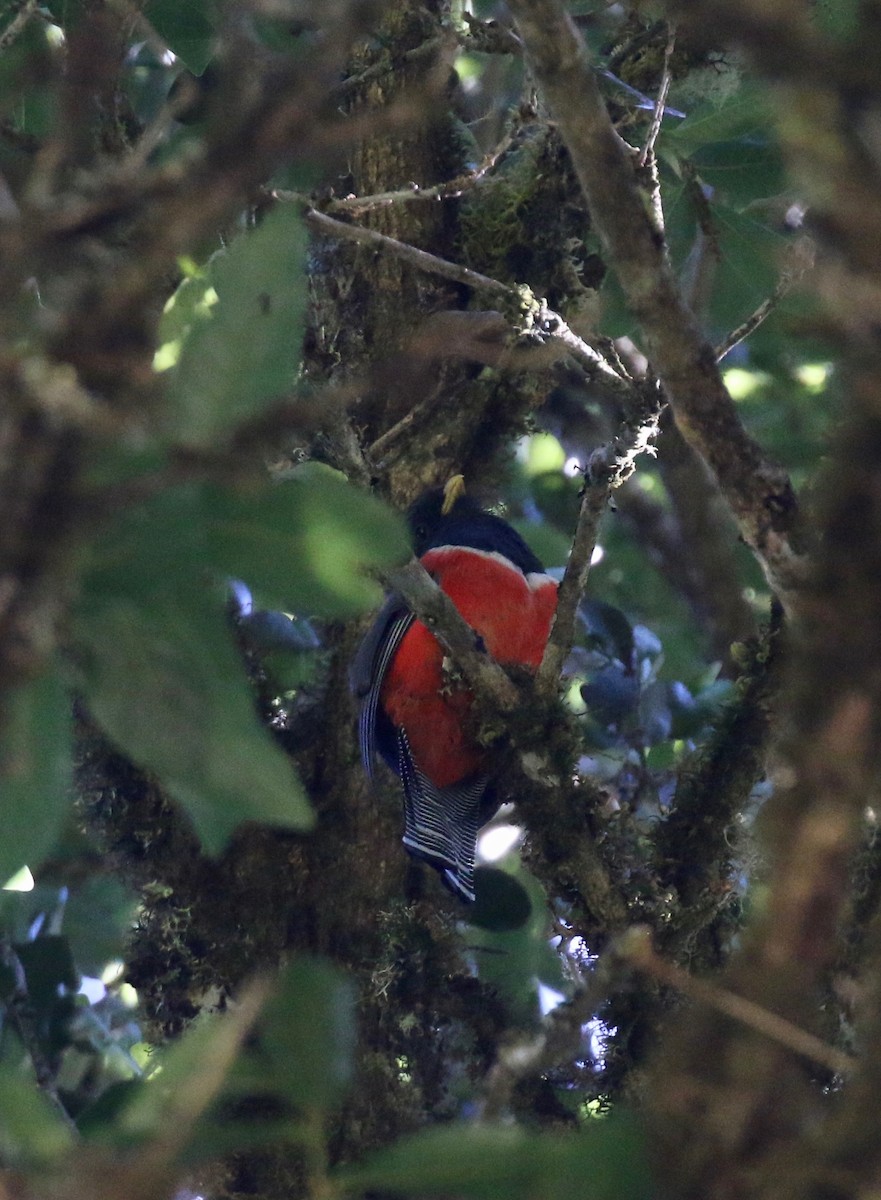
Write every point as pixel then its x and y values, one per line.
pixel 441 824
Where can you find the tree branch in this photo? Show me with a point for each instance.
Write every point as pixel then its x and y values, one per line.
pixel 436 610
pixel 636 949
pixel 759 492
pixel 607 468
pixel 546 321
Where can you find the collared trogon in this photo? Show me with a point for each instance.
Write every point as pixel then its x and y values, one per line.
pixel 412 712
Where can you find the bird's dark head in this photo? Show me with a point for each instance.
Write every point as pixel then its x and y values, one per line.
pixel 448 517
pixel 439 510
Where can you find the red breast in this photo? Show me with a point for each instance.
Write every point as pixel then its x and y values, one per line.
pixel 511 611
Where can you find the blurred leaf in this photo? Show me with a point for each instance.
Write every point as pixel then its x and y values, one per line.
pixel 308 1030
pixel 272 632
pixel 246 350
pixel 187 27
pixel 840 18
pixel 98 919
pixel 100 1117
pixel 605 1161
pixel 49 968
pixel 611 695
pixel 301 543
pixel 188 1078
pixel 35 764
pixel 752 254
pixel 52 980
pixel 31 1130
pixel 607 628
pixel 65 12
pixel 162 677
pixel 549 546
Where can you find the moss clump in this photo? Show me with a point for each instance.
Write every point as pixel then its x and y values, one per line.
pixel 527 224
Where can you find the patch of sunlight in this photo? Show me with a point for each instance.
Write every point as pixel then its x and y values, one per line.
pixel 741 384
pixel 544 453
pixel 112 972
pixel 142 1053
pixel 167 355
pixel 128 995
pixel 468 69
pixel 813 376
pixel 21 881
pixel 190 268
pixel 93 989
pixel 497 841
pixel 548 998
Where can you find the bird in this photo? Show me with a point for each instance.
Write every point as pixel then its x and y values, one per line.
pixel 413 713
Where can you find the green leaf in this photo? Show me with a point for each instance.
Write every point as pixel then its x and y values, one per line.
pixel 187 27
pixel 35 764
pixel 186 1080
pixel 98 918
pixel 31 1131
pixel 308 1032
pixel 750 254
pixel 514 960
pixel 162 677
pixel 301 544
pixel 838 18
pixel 605 1161
pixel 741 172
pixel 752 259
pixel 244 349
pixel 746 113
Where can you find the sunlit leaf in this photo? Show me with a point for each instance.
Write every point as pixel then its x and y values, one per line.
pixel 244 350
pixel 301 543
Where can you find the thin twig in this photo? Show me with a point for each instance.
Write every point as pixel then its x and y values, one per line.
pixel 549 323
pixel 439 191
pixel 661 102
pixel 636 949
pixel 788 278
pixel 386 67
pixel 411 254
pixel 606 470
pixel 596 363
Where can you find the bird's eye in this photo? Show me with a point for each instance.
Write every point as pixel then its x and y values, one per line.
pixel 421 532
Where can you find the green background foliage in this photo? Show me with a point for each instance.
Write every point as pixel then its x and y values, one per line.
pixel 152 647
